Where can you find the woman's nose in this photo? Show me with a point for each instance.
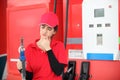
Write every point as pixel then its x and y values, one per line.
pixel 45 30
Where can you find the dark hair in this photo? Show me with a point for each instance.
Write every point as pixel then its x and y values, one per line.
pixel 56 28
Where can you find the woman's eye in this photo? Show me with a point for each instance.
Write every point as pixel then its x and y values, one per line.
pixel 42 26
pixel 49 28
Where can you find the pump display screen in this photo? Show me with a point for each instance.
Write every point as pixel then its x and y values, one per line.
pixel 99 12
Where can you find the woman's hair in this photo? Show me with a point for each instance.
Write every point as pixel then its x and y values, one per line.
pixel 56 28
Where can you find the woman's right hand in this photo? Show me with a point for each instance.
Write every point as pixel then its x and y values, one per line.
pixel 19 65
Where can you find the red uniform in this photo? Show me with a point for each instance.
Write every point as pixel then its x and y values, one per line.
pixel 38 63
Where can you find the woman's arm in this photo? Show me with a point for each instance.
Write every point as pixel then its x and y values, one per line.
pixel 57 67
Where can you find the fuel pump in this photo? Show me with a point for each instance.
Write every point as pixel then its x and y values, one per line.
pixel 100 30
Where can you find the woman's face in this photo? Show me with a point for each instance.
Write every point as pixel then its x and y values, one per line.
pixel 46 31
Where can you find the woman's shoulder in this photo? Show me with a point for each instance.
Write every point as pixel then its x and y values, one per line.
pixel 29 49
pixel 57 43
pixel 31 45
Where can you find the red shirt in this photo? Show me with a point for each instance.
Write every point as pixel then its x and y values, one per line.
pixel 38 63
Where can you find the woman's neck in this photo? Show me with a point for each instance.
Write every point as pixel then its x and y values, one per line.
pixel 39 45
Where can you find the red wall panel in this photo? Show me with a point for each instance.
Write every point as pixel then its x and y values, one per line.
pixel 3 5
pixel 105 70
pixel 74 22
pixel 21 22
pixel 16 3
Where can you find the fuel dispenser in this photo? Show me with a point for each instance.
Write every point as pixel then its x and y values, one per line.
pixel 100 29
pixel 92 35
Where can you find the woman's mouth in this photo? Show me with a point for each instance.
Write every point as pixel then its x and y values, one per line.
pixel 44 34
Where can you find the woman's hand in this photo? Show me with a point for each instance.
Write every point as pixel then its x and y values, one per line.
pixel 19 64
pixel 45 43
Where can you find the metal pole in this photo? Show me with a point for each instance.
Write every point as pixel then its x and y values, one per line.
pixel 55 5
pixel 66 23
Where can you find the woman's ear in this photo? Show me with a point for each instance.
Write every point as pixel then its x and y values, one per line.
pixel 54 32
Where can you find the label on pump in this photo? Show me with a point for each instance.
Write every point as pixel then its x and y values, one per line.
pixel 75 54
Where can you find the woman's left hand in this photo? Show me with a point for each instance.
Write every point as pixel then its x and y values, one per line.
pixel 45 43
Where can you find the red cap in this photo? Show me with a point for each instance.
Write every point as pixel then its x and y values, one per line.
pixel 49 19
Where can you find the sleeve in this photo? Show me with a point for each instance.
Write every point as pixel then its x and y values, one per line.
pixel 57 67
pixel 29 75
pixel 60 53
pixel 28 56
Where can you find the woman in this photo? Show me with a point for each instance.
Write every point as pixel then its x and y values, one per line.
pixel 45 58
